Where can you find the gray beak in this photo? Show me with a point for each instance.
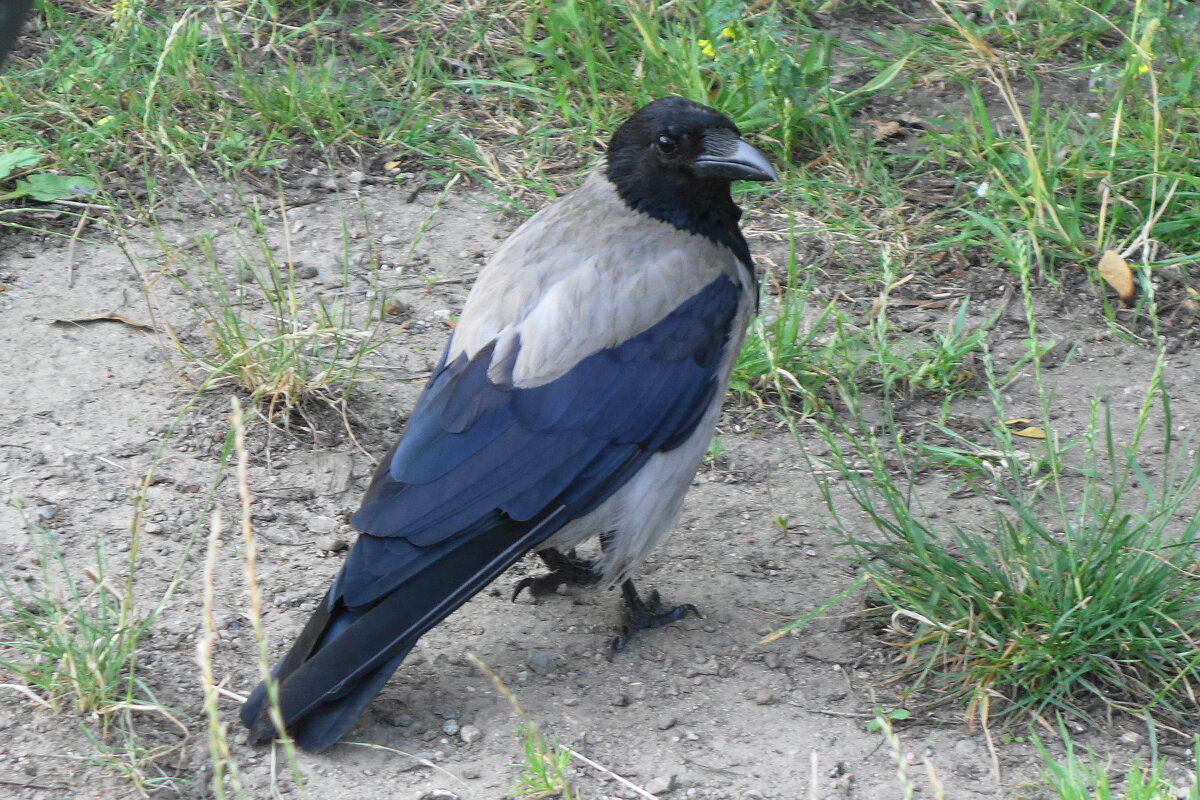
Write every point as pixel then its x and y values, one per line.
pixel 741 163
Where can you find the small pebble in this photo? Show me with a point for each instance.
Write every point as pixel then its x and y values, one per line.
pixel 307 271
pixel 439 794
pixel 321 525
pixel 331 543
pixel 709 667
pixel 965 747
pixel 660 784
pixel 469 734
pixel 401 719
pixel 450 727
pixel 666 722
pixel 543 662
pixel 763 698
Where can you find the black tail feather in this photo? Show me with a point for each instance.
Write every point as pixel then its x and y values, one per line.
pixel 345 655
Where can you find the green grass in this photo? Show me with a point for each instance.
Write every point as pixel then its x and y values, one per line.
pixel 1110 168
pixel 514 94
pixel 148 86
pixel 1073 777
pixel 72 643
pixel 69 641
pixel 1077 593
pixel 815 355
pixel 262 330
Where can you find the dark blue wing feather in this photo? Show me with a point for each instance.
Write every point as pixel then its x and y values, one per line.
pixel 472 448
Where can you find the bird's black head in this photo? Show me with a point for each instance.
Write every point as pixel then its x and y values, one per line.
pixel 674 160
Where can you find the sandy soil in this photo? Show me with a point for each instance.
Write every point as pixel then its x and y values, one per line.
pixel 698 710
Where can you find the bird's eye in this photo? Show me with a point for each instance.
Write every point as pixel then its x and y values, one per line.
pixel 666 143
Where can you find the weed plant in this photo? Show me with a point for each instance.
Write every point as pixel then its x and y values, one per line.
pixel 72 643
pixel 1078 595
pixel 1074 777
pixel 262 332
pixel 816 355
pixel 69 641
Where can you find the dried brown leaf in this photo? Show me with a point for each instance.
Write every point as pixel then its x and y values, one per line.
pixel 1116 272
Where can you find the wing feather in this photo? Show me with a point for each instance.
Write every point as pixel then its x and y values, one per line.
pixel 473 447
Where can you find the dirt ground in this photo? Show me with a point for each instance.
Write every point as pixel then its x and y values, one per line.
pixel 697 710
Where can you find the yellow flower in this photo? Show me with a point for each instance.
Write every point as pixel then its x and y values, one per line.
pixel 707 48
pixel 727 33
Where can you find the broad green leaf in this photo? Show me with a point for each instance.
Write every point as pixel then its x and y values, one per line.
pixel 47 188
pixel 15 159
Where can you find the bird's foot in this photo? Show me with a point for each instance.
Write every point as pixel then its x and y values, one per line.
pixel 564 568
pixel 642 614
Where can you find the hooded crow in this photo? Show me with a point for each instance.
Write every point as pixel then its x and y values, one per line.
pixel 575 398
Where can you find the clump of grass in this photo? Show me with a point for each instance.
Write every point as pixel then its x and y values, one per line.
pixel 790 346
pixel 284 343
pixel 1074 778
pixel 71 643
pixel 260 335
pixel 543 773
pixel 816 355
pixel 1076 595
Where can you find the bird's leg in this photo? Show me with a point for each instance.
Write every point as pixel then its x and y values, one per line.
pixel 641 614
pixel 564 568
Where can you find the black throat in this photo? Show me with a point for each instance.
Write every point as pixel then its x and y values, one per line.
pixel 697 205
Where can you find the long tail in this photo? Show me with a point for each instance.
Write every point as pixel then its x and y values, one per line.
pixel 344 655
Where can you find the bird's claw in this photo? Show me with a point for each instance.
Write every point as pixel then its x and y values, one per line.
pixel 564 568
pixel 538 586
pixel 643 614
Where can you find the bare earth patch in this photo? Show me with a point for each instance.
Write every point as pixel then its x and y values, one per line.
pixel 696 710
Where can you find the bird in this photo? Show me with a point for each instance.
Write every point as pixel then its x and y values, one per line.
pixel 575 398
